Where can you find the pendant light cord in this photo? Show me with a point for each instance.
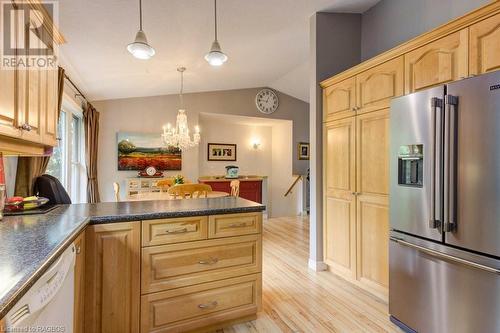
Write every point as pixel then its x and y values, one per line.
pixel 182 89
pixel 215 17
pixel 140 15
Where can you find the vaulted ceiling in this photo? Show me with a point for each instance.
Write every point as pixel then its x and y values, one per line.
pixel 267 42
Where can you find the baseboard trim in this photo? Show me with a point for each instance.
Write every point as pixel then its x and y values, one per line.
pixel 317 266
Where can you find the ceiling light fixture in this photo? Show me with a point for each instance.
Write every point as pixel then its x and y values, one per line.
pixel 178 136
pixel 215 57
pixel 140 47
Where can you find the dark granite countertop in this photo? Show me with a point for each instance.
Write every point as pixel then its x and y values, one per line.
pixel 29 244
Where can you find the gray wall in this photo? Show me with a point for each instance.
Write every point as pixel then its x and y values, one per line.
pixel 149 114
pixel 335 46
pixel 392 22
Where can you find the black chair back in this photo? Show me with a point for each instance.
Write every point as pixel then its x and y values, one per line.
pixel 51 188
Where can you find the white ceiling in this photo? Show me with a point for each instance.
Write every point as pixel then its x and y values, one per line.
pixel 267 42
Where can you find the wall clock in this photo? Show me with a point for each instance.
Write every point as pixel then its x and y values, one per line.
pixel 267 101
pixel 150 171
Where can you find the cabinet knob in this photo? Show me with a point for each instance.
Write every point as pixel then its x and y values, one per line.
pixel 25 127
pixel 78 249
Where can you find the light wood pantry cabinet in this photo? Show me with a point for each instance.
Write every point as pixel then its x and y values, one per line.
pixel 372 201
pixel 356 222
pixel 340 203
pixel 439 62
pixel 484 46
pixel 112 290
pixel 356 135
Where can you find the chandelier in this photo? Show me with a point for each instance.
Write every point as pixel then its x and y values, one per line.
pixel 178 136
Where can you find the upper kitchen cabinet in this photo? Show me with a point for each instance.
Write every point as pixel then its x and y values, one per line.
pixel 28 95
pixel 484 46
pixel 339 100
pixel 376 86
pixel 8 114
pixel 439 62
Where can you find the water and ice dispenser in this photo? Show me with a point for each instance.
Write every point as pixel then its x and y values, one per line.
pixel 411 165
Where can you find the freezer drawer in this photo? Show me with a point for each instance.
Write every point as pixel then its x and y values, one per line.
pixel 430 293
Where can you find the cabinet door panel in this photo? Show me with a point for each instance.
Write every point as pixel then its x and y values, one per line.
pixel 484 47
pixel 8 114
pixel 377 85
pixel 339 155
pixel 339 100
pixel 373 242
pixel 112 278
pixel 339 214
pixel 372 163
pixel 340 233
pixel 51 114
pixel 439 62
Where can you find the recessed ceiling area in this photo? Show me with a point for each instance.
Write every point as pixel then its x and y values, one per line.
pixel 267 42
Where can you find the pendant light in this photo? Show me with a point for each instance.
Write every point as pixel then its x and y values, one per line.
pixel 215 57
pixel 140 47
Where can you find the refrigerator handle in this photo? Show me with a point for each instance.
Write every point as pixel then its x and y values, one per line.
pixel 436 187
pixel 450 167
pixel 445 256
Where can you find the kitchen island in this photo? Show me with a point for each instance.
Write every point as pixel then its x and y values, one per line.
pixel 119 237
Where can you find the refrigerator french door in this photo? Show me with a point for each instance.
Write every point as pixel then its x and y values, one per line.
pixel 444 253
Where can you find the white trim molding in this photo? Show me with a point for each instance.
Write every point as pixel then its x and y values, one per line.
pixel 317 266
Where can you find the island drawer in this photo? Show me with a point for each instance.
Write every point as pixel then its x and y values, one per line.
pixel 178 265
pixel 234 225
pixel 202 305
pixel 174 230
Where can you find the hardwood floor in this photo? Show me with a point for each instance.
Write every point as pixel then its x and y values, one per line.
pixel 297 299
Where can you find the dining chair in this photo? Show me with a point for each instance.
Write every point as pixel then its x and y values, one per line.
pixel 165 184
pixel 185 191
pixel 116 189
pixel 235 188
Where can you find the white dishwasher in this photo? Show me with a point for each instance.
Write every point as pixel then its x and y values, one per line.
pixel 48 304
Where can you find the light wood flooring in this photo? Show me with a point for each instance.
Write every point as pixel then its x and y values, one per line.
pixel 297 299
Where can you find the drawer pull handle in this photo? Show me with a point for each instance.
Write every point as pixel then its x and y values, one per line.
pixel 208 305
pixel 177 231
pixel 238 225
pixel 211 261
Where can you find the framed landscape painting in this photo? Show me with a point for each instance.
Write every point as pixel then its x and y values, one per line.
pixel 221 152
pixel 137 151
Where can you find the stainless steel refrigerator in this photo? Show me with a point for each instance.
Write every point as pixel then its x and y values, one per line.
pixel 444 249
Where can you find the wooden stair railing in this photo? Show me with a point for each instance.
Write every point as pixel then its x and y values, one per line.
pixel 299 177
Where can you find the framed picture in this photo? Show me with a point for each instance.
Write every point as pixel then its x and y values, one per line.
pixel 303 151
pixel 137 151
pixel 221 152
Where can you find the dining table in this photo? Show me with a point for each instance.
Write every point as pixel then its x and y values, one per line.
pixel 167 196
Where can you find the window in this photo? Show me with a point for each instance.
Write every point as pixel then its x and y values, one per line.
pixel 56 166
pixel 68 160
